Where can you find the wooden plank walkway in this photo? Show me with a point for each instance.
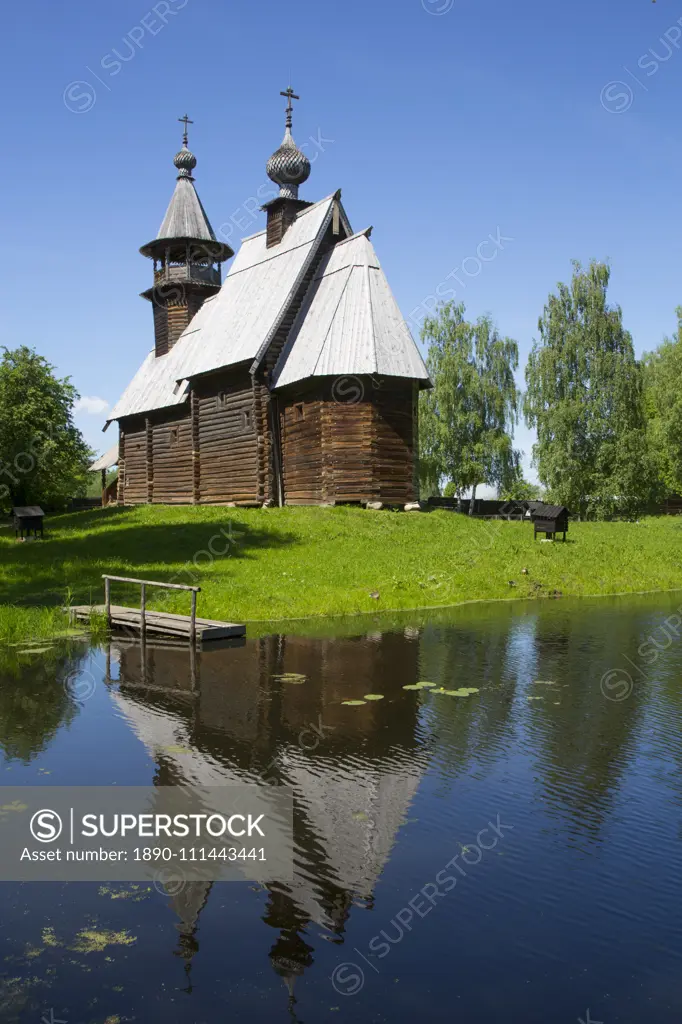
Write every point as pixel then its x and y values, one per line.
pixel 162 623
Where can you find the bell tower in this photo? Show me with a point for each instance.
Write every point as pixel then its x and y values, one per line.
pixel 186 254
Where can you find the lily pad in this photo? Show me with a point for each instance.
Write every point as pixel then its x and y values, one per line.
pixel 291 678
pixel 353 703
pixel 413 686
pixel 464 691
pixel 545 682
pixel 424 685
pixel 374 696
pixel 535 698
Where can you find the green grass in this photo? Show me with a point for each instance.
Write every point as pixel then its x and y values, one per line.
pixel 287 563
pixel 17 624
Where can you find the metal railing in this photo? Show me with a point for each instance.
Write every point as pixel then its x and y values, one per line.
pixel 143 584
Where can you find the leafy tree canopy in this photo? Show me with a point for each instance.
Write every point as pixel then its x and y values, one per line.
pixel 585 398
pixel 466 420
pixel 521 489
pixel 43 456
pixel 663 400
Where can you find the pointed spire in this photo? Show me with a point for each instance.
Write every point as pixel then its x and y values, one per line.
pixel 288 167
pixel 186 219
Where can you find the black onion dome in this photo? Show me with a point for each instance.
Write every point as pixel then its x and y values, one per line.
pixel 185 161
pixel 288 167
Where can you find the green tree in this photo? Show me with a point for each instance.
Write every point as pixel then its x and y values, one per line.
pixel 466 419
pixel 521 489
pixel 663 400
pixel 43 456
pixel 585 398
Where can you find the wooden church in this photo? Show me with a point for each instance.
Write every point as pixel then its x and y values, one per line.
pixel 294 382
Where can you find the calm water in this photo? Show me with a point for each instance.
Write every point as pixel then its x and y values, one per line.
pixel 570 904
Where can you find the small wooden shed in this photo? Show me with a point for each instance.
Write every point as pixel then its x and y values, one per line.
pixel 28 519
pixel 102 465
pixel 551 520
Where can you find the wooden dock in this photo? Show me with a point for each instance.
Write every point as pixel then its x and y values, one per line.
pixel 161 623
pixel 165 624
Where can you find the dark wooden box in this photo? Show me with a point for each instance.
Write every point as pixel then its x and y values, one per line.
pixel 28 520
pixel 550 520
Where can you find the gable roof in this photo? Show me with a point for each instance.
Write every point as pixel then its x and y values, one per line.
pixel 350 323
pixel 234 325
pixel 185 216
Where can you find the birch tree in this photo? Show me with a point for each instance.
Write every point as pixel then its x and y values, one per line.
pixel 467 419
pixel 585 398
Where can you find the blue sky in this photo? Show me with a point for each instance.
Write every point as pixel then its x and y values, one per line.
pixel 444 122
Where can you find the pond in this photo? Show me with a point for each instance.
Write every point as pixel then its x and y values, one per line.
pixel 510 852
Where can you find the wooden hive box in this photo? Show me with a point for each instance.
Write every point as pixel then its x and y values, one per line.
pixel 28 519
pixel 550 520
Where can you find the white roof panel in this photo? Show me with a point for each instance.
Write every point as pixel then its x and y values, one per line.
pixel 350 323
pixel 154 386
pixel 107 460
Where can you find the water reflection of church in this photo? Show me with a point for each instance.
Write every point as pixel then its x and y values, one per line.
pixel 225 716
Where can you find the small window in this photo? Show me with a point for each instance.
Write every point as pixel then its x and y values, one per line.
pixel 221 400
pixel 173 436
pixel 298 412
pixel 247 419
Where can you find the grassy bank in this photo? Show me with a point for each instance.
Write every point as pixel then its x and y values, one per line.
pixel 297 562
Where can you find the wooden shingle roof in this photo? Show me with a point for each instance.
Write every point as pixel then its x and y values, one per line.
pixel 350 323
pixel 185 216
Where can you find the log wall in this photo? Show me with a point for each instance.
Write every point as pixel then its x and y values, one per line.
pixel 132 467
pixel 219 446
pixel 395 422
pixel 301 443
pixel 170 457
pixel 174 305
pixel 357 448
pixel 227 437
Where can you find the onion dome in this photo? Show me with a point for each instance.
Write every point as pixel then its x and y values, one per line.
pixel 185 161
pixel 288 167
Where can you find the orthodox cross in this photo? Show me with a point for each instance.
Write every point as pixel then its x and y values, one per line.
pixel 185 120
pixel 291 95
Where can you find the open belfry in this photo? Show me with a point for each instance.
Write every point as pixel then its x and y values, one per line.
pixel 295 381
